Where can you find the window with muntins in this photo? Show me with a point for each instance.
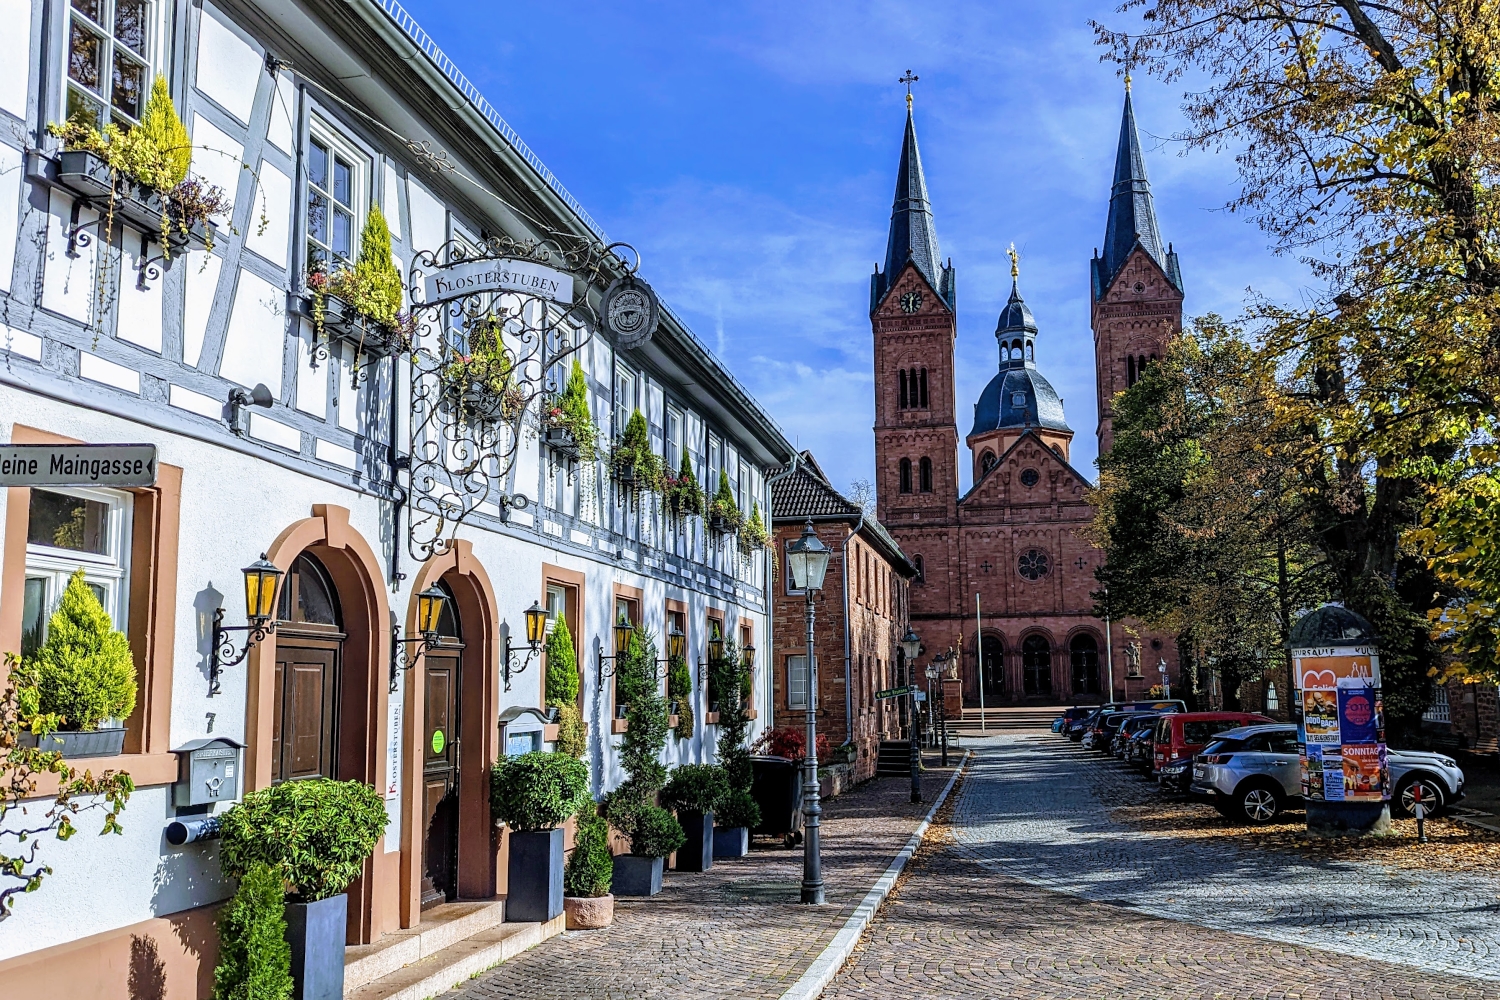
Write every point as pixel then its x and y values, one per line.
pixel 796 681
pixel 69 530
pixel 109 59
pixel 337 194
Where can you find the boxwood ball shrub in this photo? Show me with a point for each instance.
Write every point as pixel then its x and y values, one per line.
pixel 255 960
pixel 695 788
pixel 537 790
pixel 314 834
pixel 591 867
pixel 656 833
pixel 738 808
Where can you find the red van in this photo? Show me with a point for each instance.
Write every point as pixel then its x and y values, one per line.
pixel 1182 734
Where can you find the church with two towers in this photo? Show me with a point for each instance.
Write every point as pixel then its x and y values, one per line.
pixel 1006 561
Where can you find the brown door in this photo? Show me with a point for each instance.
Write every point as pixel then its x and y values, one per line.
pixel 303 726
pixel 440 748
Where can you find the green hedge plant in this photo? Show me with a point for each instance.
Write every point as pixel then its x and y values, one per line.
pixel 631 807
pixel 591 866
pixel 315 834
pixel 255 959
pixel 695 788
pixel 84 673
pixel 737 808
pixel 537 790
pixel 657 833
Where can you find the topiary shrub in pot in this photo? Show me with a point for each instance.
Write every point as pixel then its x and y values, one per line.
pixel 731 679
pixel 255 960
pixel 738 814
pixel 534 794
pixel 694 792
pixel 83 676
pixel 587 901
pixel 315 835
pixel 562 691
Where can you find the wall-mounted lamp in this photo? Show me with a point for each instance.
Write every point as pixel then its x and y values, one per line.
pixel 240 399
pixel 261 580
pixel 715 652
pixel 429 610
pixel 676 643
pixel 536 630
pixel 623 630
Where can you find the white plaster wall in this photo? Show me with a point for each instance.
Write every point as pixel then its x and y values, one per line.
pixel 312 386
pixel 218 158
pixel 139 316
pixel 429 219
pixel 202 285
pixel 15 55
pixel 228 67
pixel 10 204
pixel 257 331
pixel 67 282
pixel 283 113
pixel 271 237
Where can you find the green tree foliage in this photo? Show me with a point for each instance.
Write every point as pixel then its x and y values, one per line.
pixel 738 808
pixel 680 691
pixel 1200 510
pixel 591 866
pixel 570 410
pixel 377 281
pixel 723 505
pixel 633 452
pixel 562 665
pixel 695 788
pixel 84 673
pixel 255 959
pixel 316 834
pixel 537 791
pixel 731 684
pixel 22 764
pixel 572 731
pixel 1366 143
pixel 630 807
pixel 165 131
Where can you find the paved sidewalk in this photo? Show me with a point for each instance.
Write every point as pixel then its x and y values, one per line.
pixel 734 931
pixel 1037 809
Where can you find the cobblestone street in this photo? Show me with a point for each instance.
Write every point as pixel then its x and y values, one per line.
pixel 1033 892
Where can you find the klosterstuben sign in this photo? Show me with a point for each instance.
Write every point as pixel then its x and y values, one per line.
pixel 523 277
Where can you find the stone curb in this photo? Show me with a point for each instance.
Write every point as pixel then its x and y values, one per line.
pixel 827 965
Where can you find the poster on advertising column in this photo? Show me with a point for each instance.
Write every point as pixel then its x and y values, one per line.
pixel 1343 726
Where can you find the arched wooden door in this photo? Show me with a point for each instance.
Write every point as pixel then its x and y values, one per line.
pixel 309 657
pixel 441 741
pixel 1084 653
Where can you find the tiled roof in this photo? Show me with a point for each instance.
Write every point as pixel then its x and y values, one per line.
pixel 807 493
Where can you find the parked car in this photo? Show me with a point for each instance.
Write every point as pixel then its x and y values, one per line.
pixel 1078 727
pixel 1178 777
pixel 1138 748
pixel 1254 773
pixel 1070 715
pixel 1103 730
pixel 1183 734
pixel 1134 723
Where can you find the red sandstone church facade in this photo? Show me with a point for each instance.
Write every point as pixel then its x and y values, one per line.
pixel 1011 548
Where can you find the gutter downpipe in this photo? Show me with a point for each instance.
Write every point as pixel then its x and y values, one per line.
pixel 848 690
pixel 771 554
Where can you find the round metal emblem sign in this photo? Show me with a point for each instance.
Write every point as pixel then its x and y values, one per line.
pixel 631 312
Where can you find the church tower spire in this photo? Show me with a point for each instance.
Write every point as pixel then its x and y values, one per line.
pixel 1137 284
pixel 912 236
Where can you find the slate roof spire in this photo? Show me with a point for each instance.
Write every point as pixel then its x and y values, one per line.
pixel 912 234
pixel 1132 214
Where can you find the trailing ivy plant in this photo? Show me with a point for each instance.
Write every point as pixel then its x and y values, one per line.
pixel 316 834
pixel 562 690
pixel 21 764
pixel 632 463
pixel 723 508
pixel 84 673
pixel 631 807
pixel 255 958
pixel 680 691
pixel 569 410
pixel 753 534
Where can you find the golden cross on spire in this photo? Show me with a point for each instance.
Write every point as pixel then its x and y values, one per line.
pixel 1015 263
pixel 909 78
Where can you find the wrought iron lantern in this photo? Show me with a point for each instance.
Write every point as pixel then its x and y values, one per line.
pixel 262 580
pixel 808 559
pixel 623 630
pixel 430 604
pixel 536 631
pixel 676 643
pixel 911 645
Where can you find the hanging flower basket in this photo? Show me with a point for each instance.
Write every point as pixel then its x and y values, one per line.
pixel 483 404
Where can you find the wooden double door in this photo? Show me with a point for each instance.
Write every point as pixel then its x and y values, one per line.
pixel 442 732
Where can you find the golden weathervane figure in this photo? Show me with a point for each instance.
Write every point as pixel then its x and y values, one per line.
pixel 1015 262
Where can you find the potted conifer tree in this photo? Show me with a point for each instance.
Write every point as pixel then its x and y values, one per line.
pixel 587 901
pixel 695 791
pixel 534 794
pixel 738 811
pixel 562 691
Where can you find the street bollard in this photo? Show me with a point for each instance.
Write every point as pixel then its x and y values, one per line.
pixel 1420 809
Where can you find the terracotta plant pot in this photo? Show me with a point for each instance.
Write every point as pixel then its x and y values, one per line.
pixel 589 913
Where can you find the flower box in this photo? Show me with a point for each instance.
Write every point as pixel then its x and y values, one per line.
pixel 535 888
pixel 718 524
pixel 343 324
pixel 560 440
pixel 316 932
pixel 636 876
pixel 696 853
pixel 141 208
pixel 480 403
pixel 731 842
pixel 99 743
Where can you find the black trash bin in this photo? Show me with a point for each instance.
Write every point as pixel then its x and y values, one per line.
pixel 777 789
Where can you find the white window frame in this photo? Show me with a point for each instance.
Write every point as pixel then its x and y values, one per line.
pixel 796 680
pixel 109 571
pixel 158 37
pixel 359 193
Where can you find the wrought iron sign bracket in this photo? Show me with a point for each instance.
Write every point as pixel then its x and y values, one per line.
pixel 223 655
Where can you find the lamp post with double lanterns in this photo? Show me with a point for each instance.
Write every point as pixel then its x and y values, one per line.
pixel 934 673
pixel 807 558
pixel 911 646
pixel 262 578
pixel 429 610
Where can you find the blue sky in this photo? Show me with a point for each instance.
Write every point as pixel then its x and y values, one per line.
pixel 749 152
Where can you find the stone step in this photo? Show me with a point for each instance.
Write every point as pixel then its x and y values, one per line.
pixel 458 962
pixel 441 927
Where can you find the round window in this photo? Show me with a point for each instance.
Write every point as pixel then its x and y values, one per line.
pixel 1030 478
pixel 1034 564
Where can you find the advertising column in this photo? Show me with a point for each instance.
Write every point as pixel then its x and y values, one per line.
pixel 1341 731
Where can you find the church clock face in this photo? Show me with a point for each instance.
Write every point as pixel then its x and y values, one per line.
pixel 911 301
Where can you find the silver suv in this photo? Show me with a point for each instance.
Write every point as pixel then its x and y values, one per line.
pixel 1254 772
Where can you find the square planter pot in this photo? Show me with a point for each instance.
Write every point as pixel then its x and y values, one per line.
pixel 535 890
pixel 697 852
pixel 636 876
pixel 316 933
pixel 732 842
pixel 99 743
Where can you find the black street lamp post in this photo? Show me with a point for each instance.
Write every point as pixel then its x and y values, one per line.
pixel 911 646
pixel 808 559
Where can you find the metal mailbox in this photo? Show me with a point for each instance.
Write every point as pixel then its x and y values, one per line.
pixel 208 771
pixel 522 730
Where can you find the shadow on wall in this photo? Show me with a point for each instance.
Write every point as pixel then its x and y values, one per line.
pixel 205 602
pixel 148 973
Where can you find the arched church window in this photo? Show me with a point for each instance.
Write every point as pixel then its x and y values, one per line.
pixel 987 461
pixel 924 473
pixel 924 388
pixel 1140 367
pixel 901 391
pixel 905 475
pixel 921 568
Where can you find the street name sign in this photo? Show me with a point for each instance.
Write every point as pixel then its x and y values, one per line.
pixel 894 692
pixel 78 465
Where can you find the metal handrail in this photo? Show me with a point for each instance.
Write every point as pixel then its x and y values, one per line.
pixel 446 66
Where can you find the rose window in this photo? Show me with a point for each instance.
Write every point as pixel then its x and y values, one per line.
pixel 1034 564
